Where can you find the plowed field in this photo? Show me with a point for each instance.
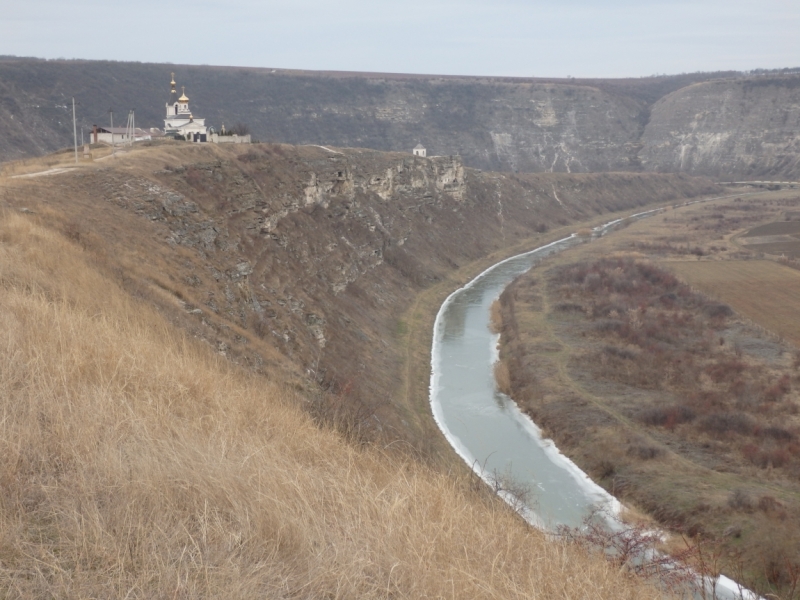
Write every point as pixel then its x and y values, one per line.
pixel 764 291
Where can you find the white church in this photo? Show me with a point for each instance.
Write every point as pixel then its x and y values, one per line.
pixel 179 119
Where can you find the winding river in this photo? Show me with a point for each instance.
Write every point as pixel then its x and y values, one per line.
pixel 487 429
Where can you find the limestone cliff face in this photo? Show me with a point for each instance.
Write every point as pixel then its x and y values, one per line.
pixel 739 129
pixel 523 127
pixel 732 127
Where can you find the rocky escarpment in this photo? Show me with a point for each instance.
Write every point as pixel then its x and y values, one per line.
pixel 734 127
pixel 739 129
pixel 313 254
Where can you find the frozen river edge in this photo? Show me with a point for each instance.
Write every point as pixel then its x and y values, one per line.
pixel 481 424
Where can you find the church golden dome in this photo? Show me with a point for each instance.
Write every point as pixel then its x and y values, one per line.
pixel 183 97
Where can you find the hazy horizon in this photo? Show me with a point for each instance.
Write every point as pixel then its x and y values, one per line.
pixel 578 38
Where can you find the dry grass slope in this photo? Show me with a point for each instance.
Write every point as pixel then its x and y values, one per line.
pixel 134 463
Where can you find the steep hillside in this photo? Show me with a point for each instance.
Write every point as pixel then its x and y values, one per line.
pixel 505 124
pixel 743 129
pixel 310 259
pixel 134 463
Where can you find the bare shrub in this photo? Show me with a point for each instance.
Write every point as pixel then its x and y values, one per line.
pixel 722 423
pixel 248 157
pixel 777 433
pixel 773 456
pixel 634 547
pixel 621 353
pixel 240 129
pixel 667 416
pixel 502 377
pixel 768 504
pixel 645 451
pixel 568 307
pixel 610 326
pixel 725 370
pixel 496 317
pixel 740 499
pixel 779 389
pixel 194 177
pixel 716 311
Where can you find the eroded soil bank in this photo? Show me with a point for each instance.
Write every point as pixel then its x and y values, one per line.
pixel 666 396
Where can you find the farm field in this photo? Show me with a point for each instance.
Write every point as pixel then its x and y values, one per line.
pixel 780 238
pixel 776 228
pixel 761 290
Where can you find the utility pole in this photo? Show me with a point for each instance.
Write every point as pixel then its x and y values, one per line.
pixel 75 131
pixel 133 129
pixel 113 147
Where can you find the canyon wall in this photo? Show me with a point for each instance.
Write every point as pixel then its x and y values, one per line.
pixel 739 129
pixel 701 124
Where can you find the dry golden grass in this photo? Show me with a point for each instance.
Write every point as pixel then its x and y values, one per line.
pixel 763 291
pixel 496 317
pixel 134 463
pixel 502 377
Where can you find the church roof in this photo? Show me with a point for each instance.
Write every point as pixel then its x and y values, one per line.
pixel 419 147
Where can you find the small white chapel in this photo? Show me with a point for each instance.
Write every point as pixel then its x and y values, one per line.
pixel 179 120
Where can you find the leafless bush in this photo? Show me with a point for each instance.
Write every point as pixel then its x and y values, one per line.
pixel 740 499
pixel 718 310
pixel 645 451
pixel 777 433
pixel 343 409
pixel 240 129
pixel 778 390
pixel 502 377
pixel 621 353
pixel 667 416
pixel 721 423
pixel 248 157
pixel 567 307
pixel 514 492
pixel 635 548
pixel 725 370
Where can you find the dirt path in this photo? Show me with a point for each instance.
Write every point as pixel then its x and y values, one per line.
pixel 46 173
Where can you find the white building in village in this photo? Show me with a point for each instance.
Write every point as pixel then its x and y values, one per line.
pixel 420 151
pixel 120 135
pixel 179 119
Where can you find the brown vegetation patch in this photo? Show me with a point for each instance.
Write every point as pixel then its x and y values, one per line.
pixel 662 393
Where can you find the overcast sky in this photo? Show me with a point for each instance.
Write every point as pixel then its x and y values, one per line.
pixel 549 38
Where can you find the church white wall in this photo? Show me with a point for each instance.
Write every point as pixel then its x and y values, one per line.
pixel 229 139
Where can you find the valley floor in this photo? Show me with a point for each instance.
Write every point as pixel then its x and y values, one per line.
pixel 660 391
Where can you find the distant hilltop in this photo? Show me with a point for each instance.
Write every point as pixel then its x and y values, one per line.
pixel 723 125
